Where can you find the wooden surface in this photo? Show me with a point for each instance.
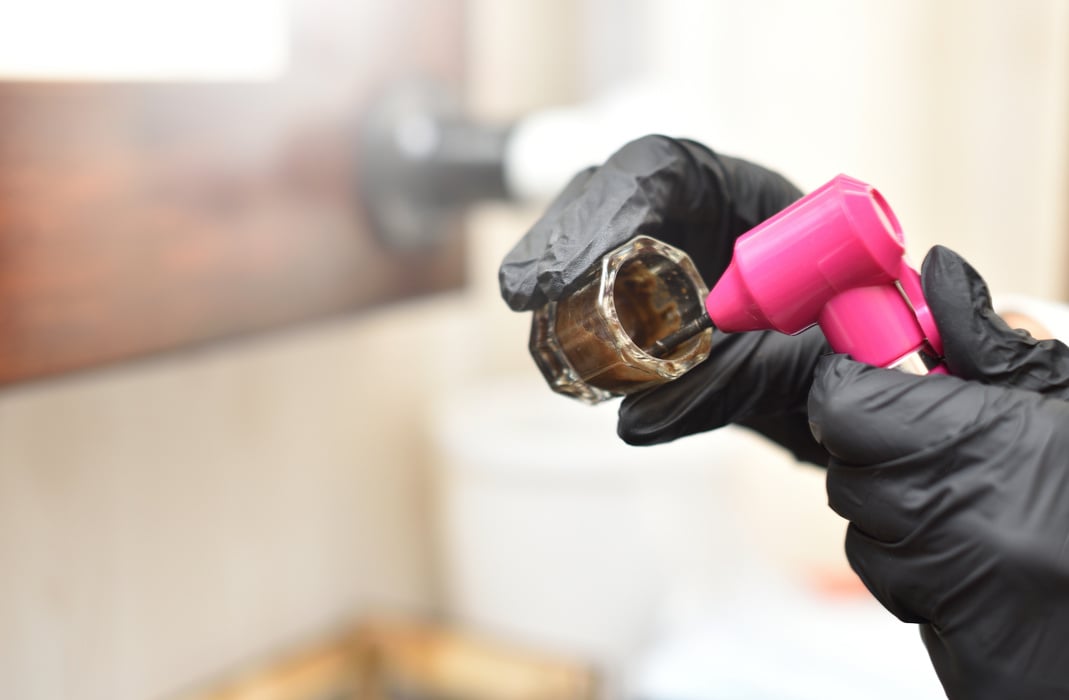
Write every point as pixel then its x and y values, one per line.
pixel 136 218
pixel 401 659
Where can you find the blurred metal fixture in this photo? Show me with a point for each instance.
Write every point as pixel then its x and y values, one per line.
pixel 421 161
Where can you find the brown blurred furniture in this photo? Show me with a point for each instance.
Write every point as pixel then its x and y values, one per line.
pixel 409 661
pixel 141 217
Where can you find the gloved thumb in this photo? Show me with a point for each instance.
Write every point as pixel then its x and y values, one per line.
pixel 977 343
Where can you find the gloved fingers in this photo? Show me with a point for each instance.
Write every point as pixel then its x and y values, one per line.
pixel 677 191
pixel 977 342
pixel 900 441
pixel 572 191
pixel 791 431
pixel 969 668
pixel 652 186
pixel 757 193
pixel 889 577
pixel 869 415
pixel 515 276
pixel 747 375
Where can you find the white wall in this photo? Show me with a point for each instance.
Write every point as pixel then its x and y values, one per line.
pixel 166 521
pixel 957 110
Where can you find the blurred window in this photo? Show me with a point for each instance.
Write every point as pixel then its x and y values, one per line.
pixel 166 40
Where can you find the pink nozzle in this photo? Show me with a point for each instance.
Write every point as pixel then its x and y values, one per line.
pixel 731 306
pixel 805 265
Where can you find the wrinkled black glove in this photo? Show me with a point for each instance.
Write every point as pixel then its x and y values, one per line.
pixel 957 492
pixel 682 193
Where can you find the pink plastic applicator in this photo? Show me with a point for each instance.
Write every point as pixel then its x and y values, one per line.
pixel 835 258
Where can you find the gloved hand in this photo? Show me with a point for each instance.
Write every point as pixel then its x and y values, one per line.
pixel 683 194
pixel 957 492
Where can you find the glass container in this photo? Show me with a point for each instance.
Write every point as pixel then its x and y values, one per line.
pixel 595 343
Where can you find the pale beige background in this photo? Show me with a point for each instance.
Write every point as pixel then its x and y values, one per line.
pixel 164 521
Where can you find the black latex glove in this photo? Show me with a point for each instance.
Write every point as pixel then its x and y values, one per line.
pixel 957 492
pixel 682 193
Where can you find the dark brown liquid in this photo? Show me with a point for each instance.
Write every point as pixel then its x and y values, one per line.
pixel 644 304
pixel 653 298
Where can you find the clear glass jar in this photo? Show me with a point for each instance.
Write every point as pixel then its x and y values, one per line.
pixel 594 343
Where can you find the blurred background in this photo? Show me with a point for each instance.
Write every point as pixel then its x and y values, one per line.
pixel 267 429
